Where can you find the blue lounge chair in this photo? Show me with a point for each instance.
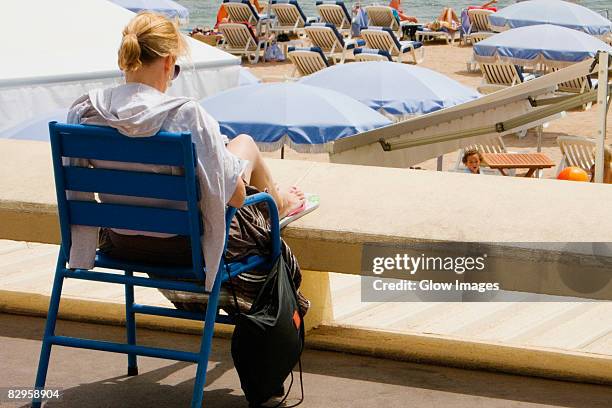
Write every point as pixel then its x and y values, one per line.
pixel 330 41
pixel 307 60
pixel 242 11
pixel 289 17
pixel 383 38
pixel 336 13
pixel 385 16
pixel 100 143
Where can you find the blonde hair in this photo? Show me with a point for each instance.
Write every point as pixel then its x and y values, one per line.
pixel 149 36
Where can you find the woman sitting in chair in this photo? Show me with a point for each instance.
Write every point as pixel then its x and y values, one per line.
pixel 396 6
pixel 228 171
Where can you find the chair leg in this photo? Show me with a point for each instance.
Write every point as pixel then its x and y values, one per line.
pixel 130 323
pixel 206 345
pixel 45 352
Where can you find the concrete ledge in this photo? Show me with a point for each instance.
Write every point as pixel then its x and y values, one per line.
pixel 460 353
pixel 541 362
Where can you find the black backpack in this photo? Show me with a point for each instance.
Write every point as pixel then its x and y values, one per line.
pixel 269 339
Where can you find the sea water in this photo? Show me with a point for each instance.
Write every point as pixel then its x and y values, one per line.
pixel 203 12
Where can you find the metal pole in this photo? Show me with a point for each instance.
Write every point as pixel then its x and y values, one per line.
pixel 440 162
pixel 602 105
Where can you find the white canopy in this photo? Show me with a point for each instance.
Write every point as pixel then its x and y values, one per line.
pixel 68 47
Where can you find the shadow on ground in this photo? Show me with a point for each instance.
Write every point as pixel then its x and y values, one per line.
pixel 96 379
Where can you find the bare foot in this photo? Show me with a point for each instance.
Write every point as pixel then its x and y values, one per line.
pixel 293 198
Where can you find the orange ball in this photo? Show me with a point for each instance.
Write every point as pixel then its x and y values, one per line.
pixel 573 174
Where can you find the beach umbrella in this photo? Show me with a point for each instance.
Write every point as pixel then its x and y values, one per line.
pixel 36 128
pixel 555 12
pixel 168 8
pixel 396 90
pixel 548 44
pixel 301 116
pixel 246 77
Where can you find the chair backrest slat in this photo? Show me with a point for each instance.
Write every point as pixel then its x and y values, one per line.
pixel 287 15
pixel 381 39
pixel 501 74
pixel 130 217
pixel 334 13
pixel 578 151
pixel 308 61
pixel 479 18
pixel 100 144
pixel 241 11
pixel 382 16
pixel 238 36
pixel 133 183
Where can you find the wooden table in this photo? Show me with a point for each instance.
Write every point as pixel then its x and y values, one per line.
pixel 505 161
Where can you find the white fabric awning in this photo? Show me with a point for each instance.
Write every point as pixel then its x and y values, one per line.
pixel 70 46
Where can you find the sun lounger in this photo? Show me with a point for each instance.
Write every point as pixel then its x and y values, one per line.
pixel 242 11
pixel 383 16
pixel 577 152
pixel 370 54
pixel 330 41
pixel 383 38
pixel 307 61
pixel 239 39
pixel 426 34
pixel 336 13
pixel 480 27
pixel 289 17
pixel 575 86
pixel 498 76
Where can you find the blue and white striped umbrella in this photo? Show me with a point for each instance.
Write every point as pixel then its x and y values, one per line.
pixel 554 12
pixel 246 77
pixel 548 44
pixel 393 89
pixel 168 8
pixel 36 128
pixel 301 116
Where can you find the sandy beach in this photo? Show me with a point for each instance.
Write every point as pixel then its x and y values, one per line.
pixel 451 60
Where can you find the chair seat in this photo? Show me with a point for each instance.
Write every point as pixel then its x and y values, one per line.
pixel 105 261
pixel 177 272
pixel 352 44
pixel 409 45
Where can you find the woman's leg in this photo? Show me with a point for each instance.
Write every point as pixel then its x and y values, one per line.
pixel 258 174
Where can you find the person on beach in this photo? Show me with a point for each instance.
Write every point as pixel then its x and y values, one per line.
pixel 447 20
pixel 222 16
pixel 487 6
pixel 228 171
pixel 472 159
pixel 396 6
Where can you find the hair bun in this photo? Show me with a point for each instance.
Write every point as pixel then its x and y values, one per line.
pixel 129 53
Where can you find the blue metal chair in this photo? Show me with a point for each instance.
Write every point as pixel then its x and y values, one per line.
pixel 101 143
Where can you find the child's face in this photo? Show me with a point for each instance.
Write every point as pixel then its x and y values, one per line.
pixel 473 163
